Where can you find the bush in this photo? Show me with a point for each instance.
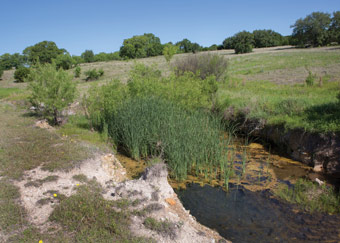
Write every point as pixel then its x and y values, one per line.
pixel 103 101
pixel 21 74
pixel 1 72
pixel 169 51
pixel 244 42
pixel 64 61
pixel 93 74
pixel 51 91
pixel 187 90
pixel 151 126
pixel 310 79
pixel 77 72
pixel 203 65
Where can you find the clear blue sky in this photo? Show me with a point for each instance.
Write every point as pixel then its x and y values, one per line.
pixel 102 25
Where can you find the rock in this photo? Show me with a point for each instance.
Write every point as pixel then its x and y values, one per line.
pixel 317 168
pixel 319 181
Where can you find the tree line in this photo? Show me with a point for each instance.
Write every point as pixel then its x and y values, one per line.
pixel 316 29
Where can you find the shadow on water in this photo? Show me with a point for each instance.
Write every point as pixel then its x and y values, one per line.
pixel 245 216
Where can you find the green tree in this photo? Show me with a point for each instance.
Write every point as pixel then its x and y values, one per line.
pixel 140 46
pixel 8 61
pixel 267 38
pixel 312 30
pixel 187 46
pixel 43 52
pixel 335 28
pixel 88 56
pixel 244 42
pixel 169 51
pixel 51 90
pixel 229 43
pixel 64 61
pixel 21 74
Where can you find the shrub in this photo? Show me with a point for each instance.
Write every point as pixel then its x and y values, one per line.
pixel 244 42
pixel 77 72
pixel 310 79
pixel 21 74
pixel 93 74
pixel 1 72
pixel 51 91
pixel 169 51
pixel 64 61
pixel 101 102
pixel 150 126
pixel 187 90
pixel 203 65
pixel 101 72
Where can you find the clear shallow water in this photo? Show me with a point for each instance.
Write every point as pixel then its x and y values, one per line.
pixel 246 216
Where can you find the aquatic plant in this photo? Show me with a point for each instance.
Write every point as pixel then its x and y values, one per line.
pixel 186 140
pixel 311 197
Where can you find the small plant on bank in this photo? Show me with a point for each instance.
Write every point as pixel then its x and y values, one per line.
pixel 93 74
pixel 51 91
pixel 77 72
pixel 21 74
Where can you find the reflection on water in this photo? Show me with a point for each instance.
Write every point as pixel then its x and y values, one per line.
pixel 245 216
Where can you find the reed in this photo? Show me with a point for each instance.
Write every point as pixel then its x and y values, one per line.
pixel 186 140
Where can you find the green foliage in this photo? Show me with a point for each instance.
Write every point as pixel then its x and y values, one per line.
pixel 169 51
pixel 140 46
pixel 187 89
pixel 229 43
pixel 103 101
pixel 312 30
pixel 42 52
pixel 187 46
pixel 155 127
pixel 21 74
pixel 310 79
pixel 104 57
pixel 311 196
pixel 1 72
pixel 93 74
pixel 244 42
pixel 267 38
pixel 8 61
pixel 77 72
pixel 64 61
pixel 334 28
pixel 51 90
pixel 77 60
pixel 88 56
pixel 203 65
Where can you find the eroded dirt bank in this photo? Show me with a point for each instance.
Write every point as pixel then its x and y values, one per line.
pixel 320 151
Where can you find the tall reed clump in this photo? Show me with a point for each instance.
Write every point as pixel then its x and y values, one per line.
pixel 186 140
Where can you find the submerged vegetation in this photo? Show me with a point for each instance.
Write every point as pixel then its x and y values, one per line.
pixel 311 197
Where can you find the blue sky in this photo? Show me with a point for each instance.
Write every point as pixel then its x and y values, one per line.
pixel 102 25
